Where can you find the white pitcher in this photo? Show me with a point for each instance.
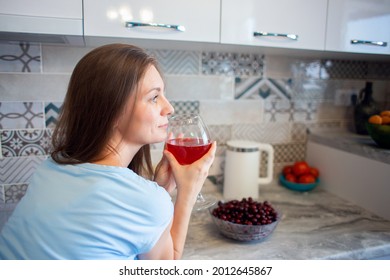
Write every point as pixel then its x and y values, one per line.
pixel 242 167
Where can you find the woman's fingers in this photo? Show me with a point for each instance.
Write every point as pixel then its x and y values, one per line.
pixel 208 158
pixel 170 158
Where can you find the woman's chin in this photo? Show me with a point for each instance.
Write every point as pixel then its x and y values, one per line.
pixel 159 140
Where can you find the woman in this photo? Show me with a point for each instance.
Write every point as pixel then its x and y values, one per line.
pixel 96 197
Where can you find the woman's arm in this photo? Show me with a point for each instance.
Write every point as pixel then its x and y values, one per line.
pixel 189 180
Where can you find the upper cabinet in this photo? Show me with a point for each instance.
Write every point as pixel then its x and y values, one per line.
pixel 359 26
pixel 153 19
pixel 349 26
pixel 21 19
pixel 298 24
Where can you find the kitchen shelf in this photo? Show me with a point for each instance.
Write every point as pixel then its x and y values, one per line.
pixel 350 142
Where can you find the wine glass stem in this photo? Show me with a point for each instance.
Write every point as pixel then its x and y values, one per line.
pixel 200 198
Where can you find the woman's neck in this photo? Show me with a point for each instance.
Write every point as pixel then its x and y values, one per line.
pixel 121 156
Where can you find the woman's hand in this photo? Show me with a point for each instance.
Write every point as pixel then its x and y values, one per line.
pixel 163 172
pixel 190 178
pixel 163 175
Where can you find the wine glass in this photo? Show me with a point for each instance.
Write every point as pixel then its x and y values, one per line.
pixel 189 140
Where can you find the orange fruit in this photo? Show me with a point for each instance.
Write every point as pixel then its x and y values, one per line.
pixel 386 120
pixel 385 114
pixel 376 119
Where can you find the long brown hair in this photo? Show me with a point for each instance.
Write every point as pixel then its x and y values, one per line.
pixel 99 88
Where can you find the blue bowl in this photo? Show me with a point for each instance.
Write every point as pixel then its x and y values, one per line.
pixel 297 186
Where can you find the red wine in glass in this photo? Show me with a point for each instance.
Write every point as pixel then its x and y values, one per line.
pixel 188 150
pixel 188 141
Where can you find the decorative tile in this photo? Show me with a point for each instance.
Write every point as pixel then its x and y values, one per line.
pixel 308 89
pixel 221 134
pixel 289 152
pixel 254 88
pixel 23 57
pixel 227 112
pixel 232 64
pixel 196 87
pixel 2 196
pixel 294 111
pixel 278 66
pixel 61 58
pixel 5 212
pixel 185 107
pixel 33 87
pixel 327 111
pixel 19 115
pixel 52 109
pixel 263 164
pixel 278 168
pixel 299 132
pixel 25 142
pixel 266 132
pixel 306 68
pixel 18 169
pixel 344 69
pixel 378 70
pixel 177 62
pixel 14 192
pixel 280 89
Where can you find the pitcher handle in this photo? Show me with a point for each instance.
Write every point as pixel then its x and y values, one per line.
pixel 270 166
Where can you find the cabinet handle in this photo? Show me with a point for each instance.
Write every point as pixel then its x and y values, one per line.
pixel 371 43
pixel 289 36
pixel 133 24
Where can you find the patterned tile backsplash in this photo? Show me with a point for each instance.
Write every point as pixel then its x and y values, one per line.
pixel 240 95
pixel 18 115
pixel 20 143
pixel 24 57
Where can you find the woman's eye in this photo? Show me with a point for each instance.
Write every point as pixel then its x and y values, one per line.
pixel 154 99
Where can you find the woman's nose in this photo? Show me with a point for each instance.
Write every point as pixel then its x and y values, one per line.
pixel 168 108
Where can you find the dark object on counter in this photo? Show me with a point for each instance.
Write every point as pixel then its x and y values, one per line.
pixel 365 106
pixel 380 134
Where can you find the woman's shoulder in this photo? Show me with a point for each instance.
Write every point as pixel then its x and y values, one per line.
pixel 110 183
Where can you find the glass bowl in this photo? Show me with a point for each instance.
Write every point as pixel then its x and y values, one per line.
pixel 242 232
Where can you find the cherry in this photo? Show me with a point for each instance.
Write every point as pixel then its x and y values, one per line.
pixel 246 212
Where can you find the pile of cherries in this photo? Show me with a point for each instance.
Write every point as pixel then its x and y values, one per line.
pixel 245 212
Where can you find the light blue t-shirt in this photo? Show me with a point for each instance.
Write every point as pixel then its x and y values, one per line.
pixel 86 211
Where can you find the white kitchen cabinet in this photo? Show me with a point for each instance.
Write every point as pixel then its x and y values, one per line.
pixel 43 8
pixel 358 26
pixel 298 24
pixel 46 17
pixel 152 19
pixel 362 180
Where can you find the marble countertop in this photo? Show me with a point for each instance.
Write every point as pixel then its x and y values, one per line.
pixel 314 225
pixel 362 145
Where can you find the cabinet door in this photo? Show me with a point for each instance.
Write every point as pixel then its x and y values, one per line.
pixel 42 16
pixel 43 8
pixel 296 24
pixel 152 19
pixel 361 26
